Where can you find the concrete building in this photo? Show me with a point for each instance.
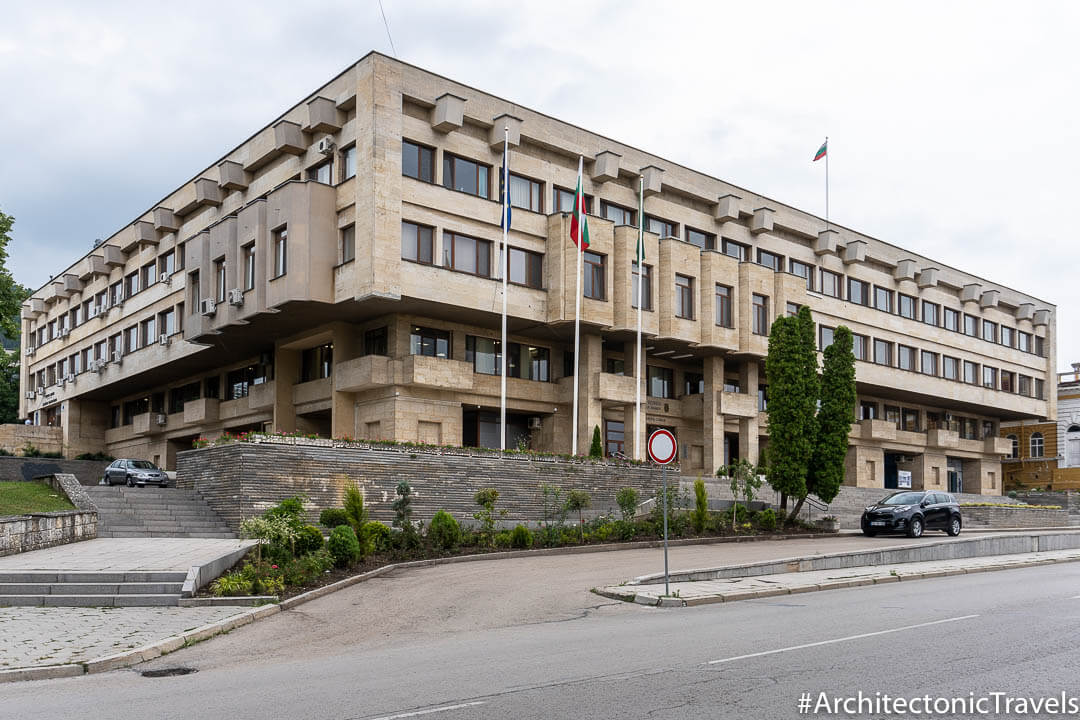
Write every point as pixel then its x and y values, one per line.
pixel 335 273
pixel 1047 454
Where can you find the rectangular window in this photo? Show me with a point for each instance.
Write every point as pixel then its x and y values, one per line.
pixel 526 193
pixel 661 382
pixel 615 366
pixel 762 398
pixel 663 228
pixel 704 240
pixel 528 362
pixel 989 331
pixel 317 363
pixel 1040 346
pixel 825 337
pixel 831 284
pixel 735 250
pixel 148 330
pixel 617 213
pixel 1025 385
pixel 646 288
pixel 219 280
pixel 760 312
pixel 905 357
pixel 179 396
pixel 348 163
pixel 989 377
pixel 213 387
pixel 238 382
pixel 971 325
pixel 950 319
pixel 693 383
pixel 1040 389
pixel 348 243
pixel 280 242
pixel 375 341
pixel 929 363
pixel 249 266
pixel 868 410
pixel 806 272
pixel 684 297
pixel 418 161
pixel 116 293
pixel 907 306
pixel 909 420
pixel 131 284
pixel 466 254
pixel 131 338
pixel 883 299
pixel 883 352
pixel 526 268
pixel 892 415
pixel 860 345
pixel 971 373
pixel 323 172
pixel 724 316
pixel 1008 336
pixel 1023 341
pixel 770 260
pixel 858 292
pixel 792 309
pixel 466 176
pixel 1008 381
pixel 148 274
pixel 167 322
pixel 614 437
pixel 429 342
pixel 950 368
pixel 417 244
pixel 594 275
pixel 564 201
pixel 930 313
pixel 167 263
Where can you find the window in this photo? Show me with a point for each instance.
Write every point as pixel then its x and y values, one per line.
pixel 883 299
pixel 116 293
pixel 615 213
pixel 989 377
pixel 989 331
pixel 1008 336
pixel 615 366
pixel 825 337
pixel 770 260
pixel 316 363
pixel 693 383
pixel 971 325
pixel 661 382
pixel 238 382
pixel 1023 341
pixel 524 361
pixel 131 284
pixel 614 437
pixel 248 252
pixel 213 387
pixel 971 372
pixel 646 288
pixel 219 279
pixel 167 322
pixel 527 194
pixel 684 297
pixel 1040 346
pixel 148 330
pixel 348 244
pixel 661 227
pixel 1014 447
pixel 723 306
pixel 465 254
pixel 892 415
pixel 417 244
pixel 909 420
pixel 526 268
pixel 806 272
pixel 167 263
pixel 929 363
pixel 831 283
pixel 735 250
pixel 792 309
pixel 858 292
pixel 859 346
pixel 1036 445
pixel 950 319
pixel 760 312
pixel 280 241
pixel 375 341
pixel 131 338
pixel 179 396
pixel 950 368
pixel 1008 381
pixel 418 161
pixel 907 306
pixel 594 275
pixel 905 357
pixel 1025 385
pixel 323 172
pixel 930 313
pixel 466 176
pixel 762 398
pixel 429 342
pixel 704 240
pixel 969 429
pixel 348 163
pixel 148 274
pixel 564 201
pixel 868 410
pixel 1040 389
pixel 882 352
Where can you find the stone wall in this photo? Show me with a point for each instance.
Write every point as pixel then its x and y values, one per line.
pixel 14 437
pixel 20 533
pixel 1019 517
pixel 14 469
pixel 243 479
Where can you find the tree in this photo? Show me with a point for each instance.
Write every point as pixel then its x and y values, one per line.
pixel 402 507
pixel 578 500
pixel 834 418
pixel 701 506
pixel 12 294
pixel 9 386
pixel 807 365
pixel 354 507
pixel 745 482
pixel 597 448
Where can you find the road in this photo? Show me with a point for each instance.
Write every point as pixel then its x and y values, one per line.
pixel 524 639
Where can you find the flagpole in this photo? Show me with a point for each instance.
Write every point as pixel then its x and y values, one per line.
pixel 504 271
pixel 580 199
pixel 826 182
pixel 637 346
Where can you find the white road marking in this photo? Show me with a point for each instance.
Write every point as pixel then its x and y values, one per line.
pixel 839 640
pixel 428 711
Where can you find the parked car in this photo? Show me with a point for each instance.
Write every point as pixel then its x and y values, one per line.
pixel 135 472
pixel 913 512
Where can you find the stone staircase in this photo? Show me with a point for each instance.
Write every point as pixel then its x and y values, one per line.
pixel 90 589
pixel 125 512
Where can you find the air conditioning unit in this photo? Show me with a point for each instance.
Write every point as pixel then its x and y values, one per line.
pixel 325 145
pixel 63 380
pixel 71 377
pixel 119 302
pixel 64 332
pixel 162 418
pixel 165 278
pixel 96 366
pixel 30 351
pixel 236 297
pixel 207 306
pixel 118 356
pixel 534 423
pixel 163 340
pixel 30 395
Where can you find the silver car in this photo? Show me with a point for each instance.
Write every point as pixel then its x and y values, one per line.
pixel 135 472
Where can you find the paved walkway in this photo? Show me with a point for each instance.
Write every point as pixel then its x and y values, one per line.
pixel 122 554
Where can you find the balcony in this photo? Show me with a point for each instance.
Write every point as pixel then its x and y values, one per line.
pixel 165 220
pixel 232 176
pixel 262 396
pixel 312 391
pixel 113 255
pixel 740 405
pixel 878 430
pixel 616 389
pixel 363 373
pixel 942 438
pixel 693 406
pixel 147 424
pixel 145 234
pixel 437 372
pixel 323 116
pixel 93 265
pixel 203 410
pixel 997 445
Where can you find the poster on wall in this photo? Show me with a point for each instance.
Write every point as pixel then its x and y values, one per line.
pixel 903 479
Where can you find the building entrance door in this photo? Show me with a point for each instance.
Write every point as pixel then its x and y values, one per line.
pixel 956 475
pixel 890 471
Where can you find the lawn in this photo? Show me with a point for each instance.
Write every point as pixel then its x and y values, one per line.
pixel 17 498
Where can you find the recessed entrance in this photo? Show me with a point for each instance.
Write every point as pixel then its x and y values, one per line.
pixel 480 428
pixel 955 475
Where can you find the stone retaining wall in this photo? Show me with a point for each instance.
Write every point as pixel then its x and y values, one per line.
pixel 1020 517
pixel 34 531
pixel 15 436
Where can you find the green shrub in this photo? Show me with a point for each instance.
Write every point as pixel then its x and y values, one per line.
pixel 766 520
pixel 51 454
pixel 231 585
pixel 602 532
pixel 403 506
pixel 596 450
pixel 332 517
pixel 30 450
pixel 376 536
pixel 100 456
pixel 308 539
pixel 1012 494
pixel 355 511
pixel 307 569
pixel 444 531
pixel 486 516
pixel 290 508
pixel 578 500
pixel 278 535
pixel 624 529
pixel 521 537
pixel 627 498
pixel 503 539
pixel 701 506
pixel 343 545
pixel 7 453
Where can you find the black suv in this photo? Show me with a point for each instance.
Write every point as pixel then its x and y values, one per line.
pixel 912 512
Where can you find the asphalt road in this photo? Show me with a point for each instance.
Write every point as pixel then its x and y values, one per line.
pixel 502 648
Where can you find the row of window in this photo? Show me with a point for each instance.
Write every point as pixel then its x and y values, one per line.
pixel 467 254
pixel 1036 446
pixel 909 419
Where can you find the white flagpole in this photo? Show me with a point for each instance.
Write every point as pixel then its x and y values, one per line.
pixel 637 347
pixel 504 268
pixel 580 200
pixel 826 182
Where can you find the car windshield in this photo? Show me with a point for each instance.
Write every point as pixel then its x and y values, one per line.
pixel 905 498
pixel 143 465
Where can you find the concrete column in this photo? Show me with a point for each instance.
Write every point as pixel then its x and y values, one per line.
pixel 590 411
pixel 84 423
pixel 712 420
pixel 286 372
pixel 864 467
pixel 347 346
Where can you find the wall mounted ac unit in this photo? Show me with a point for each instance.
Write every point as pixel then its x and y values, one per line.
pixel 534 423
pixel 64 332
pixel 162 418
pixel 30 351
pixel 325 145
pixel 71 377
pixel 118 356
pixel 163 340
pixel 207 306
pixel 29 394
pixel 96 366
pixel 165 278
pixel 236 297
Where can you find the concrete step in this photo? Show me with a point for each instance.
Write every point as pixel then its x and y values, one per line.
pixel 138 600
pixel 91 588
pixel 165 534
pixel 72 576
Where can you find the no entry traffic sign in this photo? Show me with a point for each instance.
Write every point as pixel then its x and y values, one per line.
pixel 662 447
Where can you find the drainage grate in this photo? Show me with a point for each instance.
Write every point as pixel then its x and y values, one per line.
pixel 168 672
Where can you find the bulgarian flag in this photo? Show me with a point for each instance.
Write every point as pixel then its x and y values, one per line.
pixel 822 151
pixel 579 222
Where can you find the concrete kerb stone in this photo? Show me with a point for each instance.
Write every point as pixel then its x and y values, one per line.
pixel 45 672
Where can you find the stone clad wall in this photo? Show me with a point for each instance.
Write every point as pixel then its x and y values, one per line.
pixel 21 533
pixel 242 479
pixel 13 437
pixel 1001 517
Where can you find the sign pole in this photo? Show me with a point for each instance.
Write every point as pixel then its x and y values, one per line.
pixel 663 475
pixel 662 449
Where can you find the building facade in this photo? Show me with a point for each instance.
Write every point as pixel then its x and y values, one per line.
pixel 337 274
pixel 1047 454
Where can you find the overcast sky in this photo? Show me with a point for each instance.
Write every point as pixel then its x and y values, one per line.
pixel 953 126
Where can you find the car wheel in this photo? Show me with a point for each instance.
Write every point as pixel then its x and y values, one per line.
pixel 915 527
pixel 954 527
pixel 866 529
pixel 130 482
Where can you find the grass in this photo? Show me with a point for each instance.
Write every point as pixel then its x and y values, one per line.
pixel 17 498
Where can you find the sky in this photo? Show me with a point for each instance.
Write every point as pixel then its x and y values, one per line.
pixel 952 127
